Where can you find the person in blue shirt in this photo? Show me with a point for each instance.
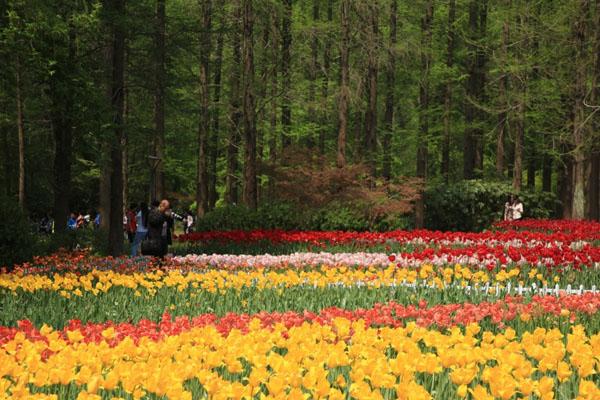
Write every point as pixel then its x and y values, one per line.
pixel 141 219
pixel 72 222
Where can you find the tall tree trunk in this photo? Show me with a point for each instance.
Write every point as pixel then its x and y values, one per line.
pixel 547 174
pixel 158 157
pixel 448 92
pixel 125 140
pixel 204 114
pixel 21 132
pixel 325 83
pixel 565 186
pixel 518 153
pixel 62 129
pixel 579 127
pixel 473 137
pixel 344 84
pixel 370 137
pixel 213 195
pixel 286 73
pixel 422 143
pixel 233 141
pixel 594 178
pixel 312 75
pixel 389 92
pixel 115 232
pixel 250 183
pixel 503 96
pixel 274 85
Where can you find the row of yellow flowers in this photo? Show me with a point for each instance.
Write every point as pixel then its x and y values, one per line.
pixel 214 280
pixel 309 361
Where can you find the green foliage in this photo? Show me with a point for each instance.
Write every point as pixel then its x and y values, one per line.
pixel 474 205
pixel 17 243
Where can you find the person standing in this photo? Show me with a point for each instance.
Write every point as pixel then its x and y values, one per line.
pixel 517 209
pixel 160 223
pixel 508 212
pixel 131 223
pixel 141 222
pixel 72 222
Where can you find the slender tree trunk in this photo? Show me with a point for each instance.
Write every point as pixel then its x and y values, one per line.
pixel 422 144
pixel 579 128
pixel 344 84
pixel 312 75
pixel 503 116
pixel 481 82
pixel 370 137
pixel 594 178
pixel 204 121
pixel 547 174
pixel 274 88
pixel 115 233
pixel 158 156
pixel 389 92
pixel 448 92
pixel 233 142
pixel 125 141
pixel 21 132
pixel 213 195
pixel 325 83
pixel 286 73
pixel 62 129
pixel 250 183
pixel 565 186
pixel 518 153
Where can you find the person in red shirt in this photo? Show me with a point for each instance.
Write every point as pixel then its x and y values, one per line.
pixel 131 225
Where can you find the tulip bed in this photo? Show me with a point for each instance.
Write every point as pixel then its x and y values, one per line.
pixel 510 313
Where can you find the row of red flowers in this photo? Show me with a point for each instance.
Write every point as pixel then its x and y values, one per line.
pixel 542 231
pixel 390 314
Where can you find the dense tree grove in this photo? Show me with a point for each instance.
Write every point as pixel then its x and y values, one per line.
pixel 106 102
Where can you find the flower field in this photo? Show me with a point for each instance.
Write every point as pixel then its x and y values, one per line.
pixel 507 314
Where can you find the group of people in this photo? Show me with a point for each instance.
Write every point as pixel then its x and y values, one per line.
pixel 149 229
pixel 513 209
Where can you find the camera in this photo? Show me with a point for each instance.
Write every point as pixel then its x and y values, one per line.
pixel 176 216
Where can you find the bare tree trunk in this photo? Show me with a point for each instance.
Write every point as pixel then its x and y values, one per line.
pixel 21 133
pixel 579 128
pixel 158 159
pixel 274 87
pixel 286 73
pixel 344 84
pixel 213 195
pixel 115 232
pixel 389 94
pixel 370 138
pixel 481 82
pixel 233 142
pixel 503 116
pixel 250 183
pixel 125 141
pixel 422 145
pixel 204 120
pixel 325 85
pixel 312 75
pixel 518 153
pixel 565 186
pixel 594 178
pixel 448 92
pixel 547 174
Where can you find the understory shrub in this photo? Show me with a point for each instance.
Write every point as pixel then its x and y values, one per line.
pixel 17 242
pixel 474 205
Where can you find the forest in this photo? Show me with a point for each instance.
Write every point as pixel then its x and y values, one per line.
pixel 215 103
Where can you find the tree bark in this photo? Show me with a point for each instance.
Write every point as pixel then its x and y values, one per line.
pixel 579 127
pixel 274 85
pixel 312 75
pixel 213 195
pixel 204 114
pixel 518 153
pixel 473 137
pixel 20 131
pixel 115 233
pixel 370 137
pixel 390 103
pixel 422 141
pixel 594 178
pixel 503 116
pixel 158 158
pixel 325 83
pixel 547 174
pixel 233 142
pixel 250 182
pixel 344 84
pixel 448 91
pixel 286 73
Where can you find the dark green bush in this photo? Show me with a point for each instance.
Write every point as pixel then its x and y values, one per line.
pixel 474 205
pixel 17 243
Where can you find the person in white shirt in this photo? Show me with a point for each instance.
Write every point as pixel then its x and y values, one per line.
pixel 513 209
